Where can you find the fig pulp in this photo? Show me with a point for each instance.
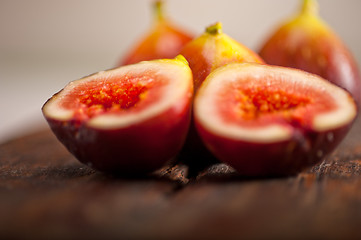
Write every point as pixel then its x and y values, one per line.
pixel 306 42
pixel 128 120
pixel 164 40
pixel 207 52
pixel 268 120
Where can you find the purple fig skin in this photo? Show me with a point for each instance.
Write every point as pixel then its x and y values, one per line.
pixel 286 158
pixel 136 150
pixel 195 154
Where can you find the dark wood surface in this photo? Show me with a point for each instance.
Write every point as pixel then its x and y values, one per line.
pixel 45 193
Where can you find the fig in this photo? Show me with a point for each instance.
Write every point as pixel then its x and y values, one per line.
pixel 205 53
pixel 271 120
pixel 164 40
pixel 307 42
pixel 127 120
pixel 214 49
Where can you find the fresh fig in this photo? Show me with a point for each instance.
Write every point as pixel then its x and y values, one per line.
pixel 205 53
pixel 306 42
pixel 271 121
pixel 164 40
pixel 214 49
pixel 127 120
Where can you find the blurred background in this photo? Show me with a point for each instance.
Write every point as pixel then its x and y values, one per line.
pixel 44 44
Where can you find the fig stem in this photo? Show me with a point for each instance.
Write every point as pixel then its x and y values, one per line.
pixel 309 7
pixel 159 10
pixel 215 28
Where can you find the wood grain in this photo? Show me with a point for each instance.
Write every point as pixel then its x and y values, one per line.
pixel 47 194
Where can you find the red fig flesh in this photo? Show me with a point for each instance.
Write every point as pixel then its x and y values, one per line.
pixel 306 42
pixel 271 120
pixel 128 120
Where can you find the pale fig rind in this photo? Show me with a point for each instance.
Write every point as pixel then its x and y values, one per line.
pixel 280 142
pixel 134 141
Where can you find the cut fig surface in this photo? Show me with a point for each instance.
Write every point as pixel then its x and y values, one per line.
pixel 128 119
pixel 270 120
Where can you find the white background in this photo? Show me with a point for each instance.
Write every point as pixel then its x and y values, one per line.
pixel 44 44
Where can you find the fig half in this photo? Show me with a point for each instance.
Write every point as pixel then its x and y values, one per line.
pixel 127 120
pixel 267 121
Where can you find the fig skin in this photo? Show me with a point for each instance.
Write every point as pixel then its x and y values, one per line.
pixel 304 147
pixel 214 49
pixel 164 40
pixel 204 54
pixel 137 148
pixel 284 158
pixel 306 42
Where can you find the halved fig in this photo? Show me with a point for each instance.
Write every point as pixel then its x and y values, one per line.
pixel 266 120
pixel 128 120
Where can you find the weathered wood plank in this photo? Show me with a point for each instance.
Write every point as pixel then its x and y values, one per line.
pixel 46 193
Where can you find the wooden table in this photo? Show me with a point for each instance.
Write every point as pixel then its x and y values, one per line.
pixel 45 193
